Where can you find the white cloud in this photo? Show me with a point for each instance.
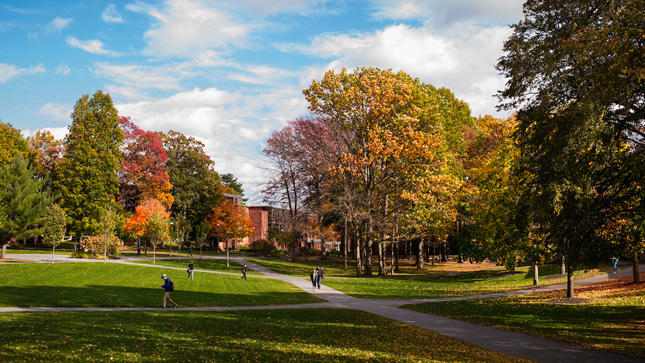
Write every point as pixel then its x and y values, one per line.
pixel 186 27
pixel 463 62
pixel 9 71
pixel 164 77
pixel 56 111
pixel 58 132
pixel 449 14
pixel 94 46
pixel 230 124
pixel 63 70
pixel 57 25
pixel 111 15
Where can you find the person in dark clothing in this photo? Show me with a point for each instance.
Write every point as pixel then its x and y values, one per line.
pixel 314 279
pixel 243 272
pixel 190 270
pixel 190 252
pixel 168 287
pixel 319 276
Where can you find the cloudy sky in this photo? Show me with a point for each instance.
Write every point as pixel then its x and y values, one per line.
pixel 230 72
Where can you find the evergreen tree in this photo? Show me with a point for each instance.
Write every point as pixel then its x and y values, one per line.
pixel 87 179
pixel 21 201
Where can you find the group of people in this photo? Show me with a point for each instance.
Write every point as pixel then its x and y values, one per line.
pixel 316 277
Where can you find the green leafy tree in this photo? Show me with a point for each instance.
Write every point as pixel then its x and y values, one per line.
pixel 87 179
pixel 21 200
pixel 158 226
pixel 196 187
pixel 202 231
pixel 108 221
pixel 54 227
pixel 231 181
pixel 575 73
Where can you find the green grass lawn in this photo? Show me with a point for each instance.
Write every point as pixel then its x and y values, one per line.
pixel 334 266
pixel 462 284
pixel 205 264
pixel 611 316
pixel 320 335
pixel 440 280
pixel 99 284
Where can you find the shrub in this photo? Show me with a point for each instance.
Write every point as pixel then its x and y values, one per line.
pixel 95 245
pixel 261 247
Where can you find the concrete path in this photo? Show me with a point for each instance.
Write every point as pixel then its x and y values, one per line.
pixel 513 344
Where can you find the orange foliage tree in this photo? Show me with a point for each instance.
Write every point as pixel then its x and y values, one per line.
pixel 150 210
pixel 231 220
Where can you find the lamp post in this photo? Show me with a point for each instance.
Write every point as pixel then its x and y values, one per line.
pixel 227 264
pixel 218 238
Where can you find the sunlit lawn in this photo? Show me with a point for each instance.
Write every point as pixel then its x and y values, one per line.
pixel 99 284
pixel 612 319
pixel 320 335
pixel 333 266
pixel 204 264
pixel 441 280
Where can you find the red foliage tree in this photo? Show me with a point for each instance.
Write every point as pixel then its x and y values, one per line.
pixel 143 172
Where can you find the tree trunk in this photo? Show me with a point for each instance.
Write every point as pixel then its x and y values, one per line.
pixel 396 255
pixel 563 268
pixel 368 249
pixel 535 273
pixel 53 248
pixel 359 251
pixel 345 246
pixel 420 254
pixel 4 250
pixel 444 252
pixel 323 249
pixel 434 251
pixel 382 268
pixel 293 250
pixel 570 293
pixel 154 253
pixel 635 268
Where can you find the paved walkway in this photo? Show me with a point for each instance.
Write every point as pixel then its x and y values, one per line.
pixel 514 344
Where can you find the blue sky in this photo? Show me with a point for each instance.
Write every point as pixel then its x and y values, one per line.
pixel 230 72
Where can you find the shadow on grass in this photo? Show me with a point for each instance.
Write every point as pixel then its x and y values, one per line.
pixel 325 335
pixel 106 296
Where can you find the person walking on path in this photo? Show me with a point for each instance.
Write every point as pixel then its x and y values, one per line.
pixel 615 259
pixel 319 276
pixel 243 272
pixel 191 270
pixel 314 279
pixel 190 252
pixel 169 287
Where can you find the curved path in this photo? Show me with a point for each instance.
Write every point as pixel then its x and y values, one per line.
pixel 514 344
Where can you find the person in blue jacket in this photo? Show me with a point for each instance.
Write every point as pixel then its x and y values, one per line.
pixel 168 287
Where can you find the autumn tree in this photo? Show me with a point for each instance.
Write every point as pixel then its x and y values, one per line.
pixel 47 152
pixel 285 186
pixel 54 227
pixel 22 202
pixel 143 172
pixel 11 142
pixel 230 220
pixel 574 72
pixel 87 177
pixel 394 154
pixel 138 224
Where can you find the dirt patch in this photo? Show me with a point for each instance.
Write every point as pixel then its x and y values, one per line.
pixel 569 301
